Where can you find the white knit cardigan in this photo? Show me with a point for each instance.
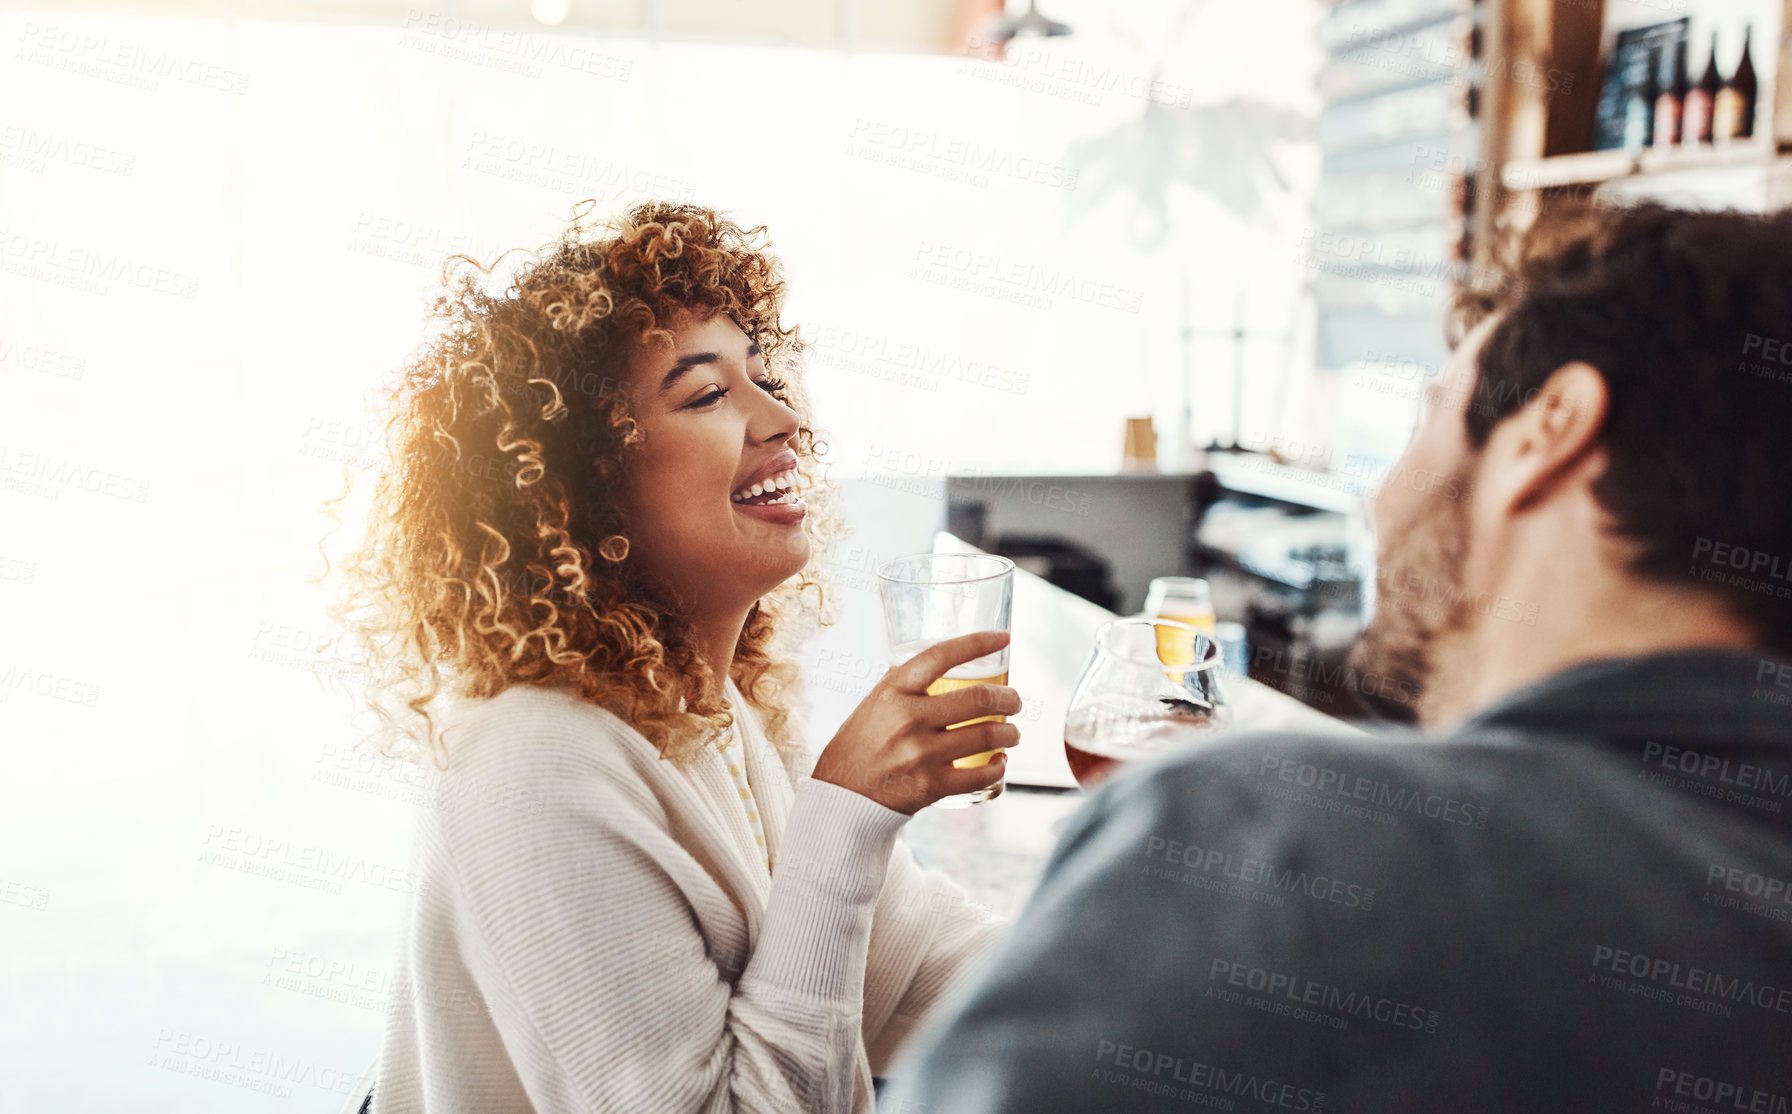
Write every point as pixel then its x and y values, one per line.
pixel 595 929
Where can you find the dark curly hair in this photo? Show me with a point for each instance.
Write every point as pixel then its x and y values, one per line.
pixel 496 552
pixel 1679 310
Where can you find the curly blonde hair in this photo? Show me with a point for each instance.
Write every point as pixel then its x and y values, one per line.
pixel 496 552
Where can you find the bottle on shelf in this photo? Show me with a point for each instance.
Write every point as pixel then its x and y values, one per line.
pixel 1733 116
pixel 1639 110
pixel 1701 101
pixel 1671 101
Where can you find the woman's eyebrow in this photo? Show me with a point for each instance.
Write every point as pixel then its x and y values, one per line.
pixel 695 359
pixel 684 364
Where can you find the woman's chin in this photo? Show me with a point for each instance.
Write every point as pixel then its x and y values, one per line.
pixel 774 553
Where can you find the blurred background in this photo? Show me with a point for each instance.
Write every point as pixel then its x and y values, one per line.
pixel 1120 291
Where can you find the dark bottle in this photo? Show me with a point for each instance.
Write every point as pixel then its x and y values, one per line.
pixel 1639 110
pixel 1696 127
pixel 1671 101
pixel 1734 115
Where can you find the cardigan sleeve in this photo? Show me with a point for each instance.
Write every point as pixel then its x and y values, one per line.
pixel 929 938
pixel 575 926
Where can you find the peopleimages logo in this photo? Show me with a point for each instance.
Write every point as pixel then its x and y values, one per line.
pixel 1282 988
pixel 52 686
pixel 1757 562
pixel 507 50
pixel 119 61
pixel 26 147
pixel 1771 358
pixel 1713 767
pixel 1262 872
pixel 1755 570
pixel 1016 280
pixel 1682 985
pixel 1751 891
pixel 1043 70
pixel 1715 1094
pixel 88 269
pixel 1158 1072
pixel 967 159
pixel 903 361
pixel 1373 791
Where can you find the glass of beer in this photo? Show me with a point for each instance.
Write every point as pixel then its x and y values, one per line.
pixel 1135 701
pixel 930 597
pixel 1183 599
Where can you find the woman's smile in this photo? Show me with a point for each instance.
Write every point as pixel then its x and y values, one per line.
pixel 776 504
pixel 771 495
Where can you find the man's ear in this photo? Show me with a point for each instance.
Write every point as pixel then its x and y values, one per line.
pixel 1548 438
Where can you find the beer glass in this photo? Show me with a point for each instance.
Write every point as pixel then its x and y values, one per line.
pixel 1184 599
pixel 1132 702
pixel 930 597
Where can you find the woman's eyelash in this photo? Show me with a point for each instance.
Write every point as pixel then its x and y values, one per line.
pixel 771 386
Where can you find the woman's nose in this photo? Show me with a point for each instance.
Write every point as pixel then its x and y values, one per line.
pixel 776 420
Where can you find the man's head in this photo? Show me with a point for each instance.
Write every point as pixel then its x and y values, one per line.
pixel 1612 433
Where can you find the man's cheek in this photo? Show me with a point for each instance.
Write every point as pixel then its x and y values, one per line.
pixel 1390 508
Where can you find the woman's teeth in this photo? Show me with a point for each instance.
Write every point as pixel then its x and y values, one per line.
pixel 783 485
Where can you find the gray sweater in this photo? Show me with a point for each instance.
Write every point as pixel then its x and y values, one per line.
pixel 1579 901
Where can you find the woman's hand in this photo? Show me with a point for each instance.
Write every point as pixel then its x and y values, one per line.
pixel 895 748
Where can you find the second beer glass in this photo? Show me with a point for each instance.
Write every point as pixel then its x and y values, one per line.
pixel 1183 599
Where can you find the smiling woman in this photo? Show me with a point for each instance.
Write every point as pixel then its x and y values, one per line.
pixel 600 525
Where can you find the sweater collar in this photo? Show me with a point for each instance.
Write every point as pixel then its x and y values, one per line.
pixel 1720 697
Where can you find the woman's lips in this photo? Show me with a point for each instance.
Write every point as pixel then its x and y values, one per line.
pixel 782 513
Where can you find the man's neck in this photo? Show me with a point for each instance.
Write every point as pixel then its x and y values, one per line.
pixel 1578 620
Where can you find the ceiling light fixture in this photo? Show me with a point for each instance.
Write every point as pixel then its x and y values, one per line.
pixel 1031 23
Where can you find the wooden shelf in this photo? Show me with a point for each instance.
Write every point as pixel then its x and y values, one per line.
pixel 1606 166
pixel 1527 126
